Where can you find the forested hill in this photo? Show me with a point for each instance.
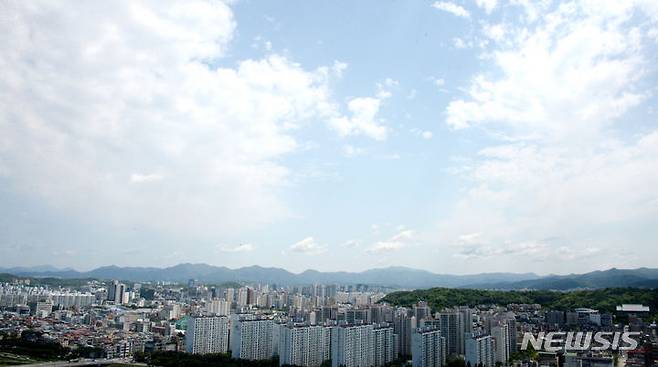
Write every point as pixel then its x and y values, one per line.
pixel 604 300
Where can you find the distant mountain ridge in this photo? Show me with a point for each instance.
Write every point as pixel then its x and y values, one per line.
pixel 611 278
pixel 398 276
pixel 393 276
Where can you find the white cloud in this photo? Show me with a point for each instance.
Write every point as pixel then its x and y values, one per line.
pixel 561 84
pixel 569 68
pixel 461 43
pixel 260 43
pixel 339 68
pixel 119 90
pixel 397 242
pixel 495 32
pixel 383 94
pixel 532 9
pixel 487 5
pixel 469 237
pixel 245 247
pixel 451 8
pixel 351 244
pixel 535 251
pixel 308 246
pixel 390 82
pixel 652 33
pixel 363 121
pixel 384 88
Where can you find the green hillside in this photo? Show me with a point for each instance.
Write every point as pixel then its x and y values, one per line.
pixel 604 300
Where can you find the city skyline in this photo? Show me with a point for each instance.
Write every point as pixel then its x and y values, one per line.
pixel 454 137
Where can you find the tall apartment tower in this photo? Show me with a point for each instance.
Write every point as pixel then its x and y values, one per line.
pixel 218 307
pixel 480 351
pixel 511 330
pixel 402 325
pixel 243 297
pixel 305 346
pixel 452 328
pixel 428 348
pixel 116 292
pixel 352 346
pixel 207 334
pixel 383 345
pixel 111 290
pixel 422 311
pixel 467 319
pixel 500 335
pixel 251 339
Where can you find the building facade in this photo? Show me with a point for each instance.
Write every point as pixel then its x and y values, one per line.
pixel 251 339
pixel 306 346
pixel 480 351
pixel 428 348
pixel 207 334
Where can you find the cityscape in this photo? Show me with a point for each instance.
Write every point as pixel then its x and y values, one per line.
pixel 355 183
pixel 312 325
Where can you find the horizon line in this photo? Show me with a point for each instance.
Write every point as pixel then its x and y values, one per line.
pixel 68 268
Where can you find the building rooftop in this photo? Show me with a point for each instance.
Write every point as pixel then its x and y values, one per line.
pixel 632 308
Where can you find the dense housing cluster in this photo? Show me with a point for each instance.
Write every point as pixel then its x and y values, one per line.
pixel 312 325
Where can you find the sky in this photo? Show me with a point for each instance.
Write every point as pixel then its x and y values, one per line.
pixel 456 137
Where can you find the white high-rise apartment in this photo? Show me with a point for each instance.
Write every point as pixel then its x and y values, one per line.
pixel 362 346
pixel 251 339
pixel 428 348
pixel 467 319
pixel 207 334
pixel 244 296
pixel 384 345
pixel 306 346
pixel 218 307
pixel 500 335
pixel 352 346
pixel 480 350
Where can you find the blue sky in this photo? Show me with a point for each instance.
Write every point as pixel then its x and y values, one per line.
pixel 457 137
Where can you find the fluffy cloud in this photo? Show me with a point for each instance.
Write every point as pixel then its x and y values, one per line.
pixel 487 5
pixel 363 120
pixel 548 250
pixel 364 114
pixel 308 246
pixel 245 247
pixel 560 86
pixel 551 77
pixel 397 242
pixel 98 100
pixel 451 8
pixel 350 244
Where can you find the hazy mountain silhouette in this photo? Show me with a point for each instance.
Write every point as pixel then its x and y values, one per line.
pixel 639 278
pixel 392 276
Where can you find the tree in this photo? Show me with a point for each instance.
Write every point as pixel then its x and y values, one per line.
pixel 456 362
